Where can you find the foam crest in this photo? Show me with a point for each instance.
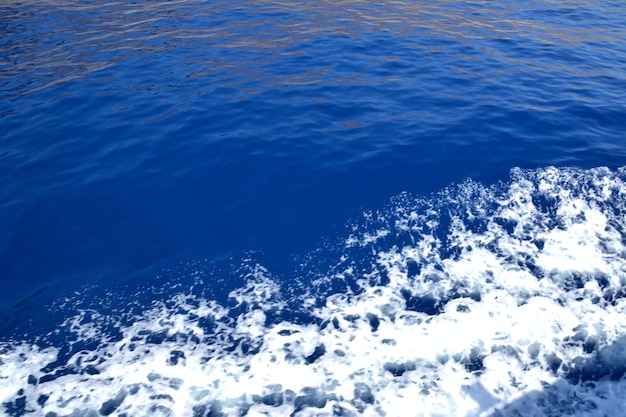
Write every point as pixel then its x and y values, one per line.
pixel 494 301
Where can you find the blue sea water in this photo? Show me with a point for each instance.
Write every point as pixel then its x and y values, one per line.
pixel 312 208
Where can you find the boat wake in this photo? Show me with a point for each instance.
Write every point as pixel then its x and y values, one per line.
pixel 502 300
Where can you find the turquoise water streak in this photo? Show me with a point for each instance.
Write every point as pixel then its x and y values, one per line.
pixel 288 164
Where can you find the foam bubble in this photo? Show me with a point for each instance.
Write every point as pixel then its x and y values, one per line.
pixel 506 300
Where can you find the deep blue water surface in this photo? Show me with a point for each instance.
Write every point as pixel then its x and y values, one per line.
pixel 136 137
pixel 137 132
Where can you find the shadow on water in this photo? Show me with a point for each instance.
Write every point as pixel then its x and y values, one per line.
pixel 588 386
pixel 7 315
pixel 30 298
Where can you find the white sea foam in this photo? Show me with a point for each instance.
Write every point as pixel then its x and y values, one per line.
pixel 482 301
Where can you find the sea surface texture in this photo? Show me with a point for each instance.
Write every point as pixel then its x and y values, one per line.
pixel 312 208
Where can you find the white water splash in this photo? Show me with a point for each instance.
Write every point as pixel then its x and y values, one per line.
pixel 500 301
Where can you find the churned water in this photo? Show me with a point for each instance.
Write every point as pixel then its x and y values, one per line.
pixel 312 208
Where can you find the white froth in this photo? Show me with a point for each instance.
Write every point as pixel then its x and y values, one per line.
pixel 521 315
